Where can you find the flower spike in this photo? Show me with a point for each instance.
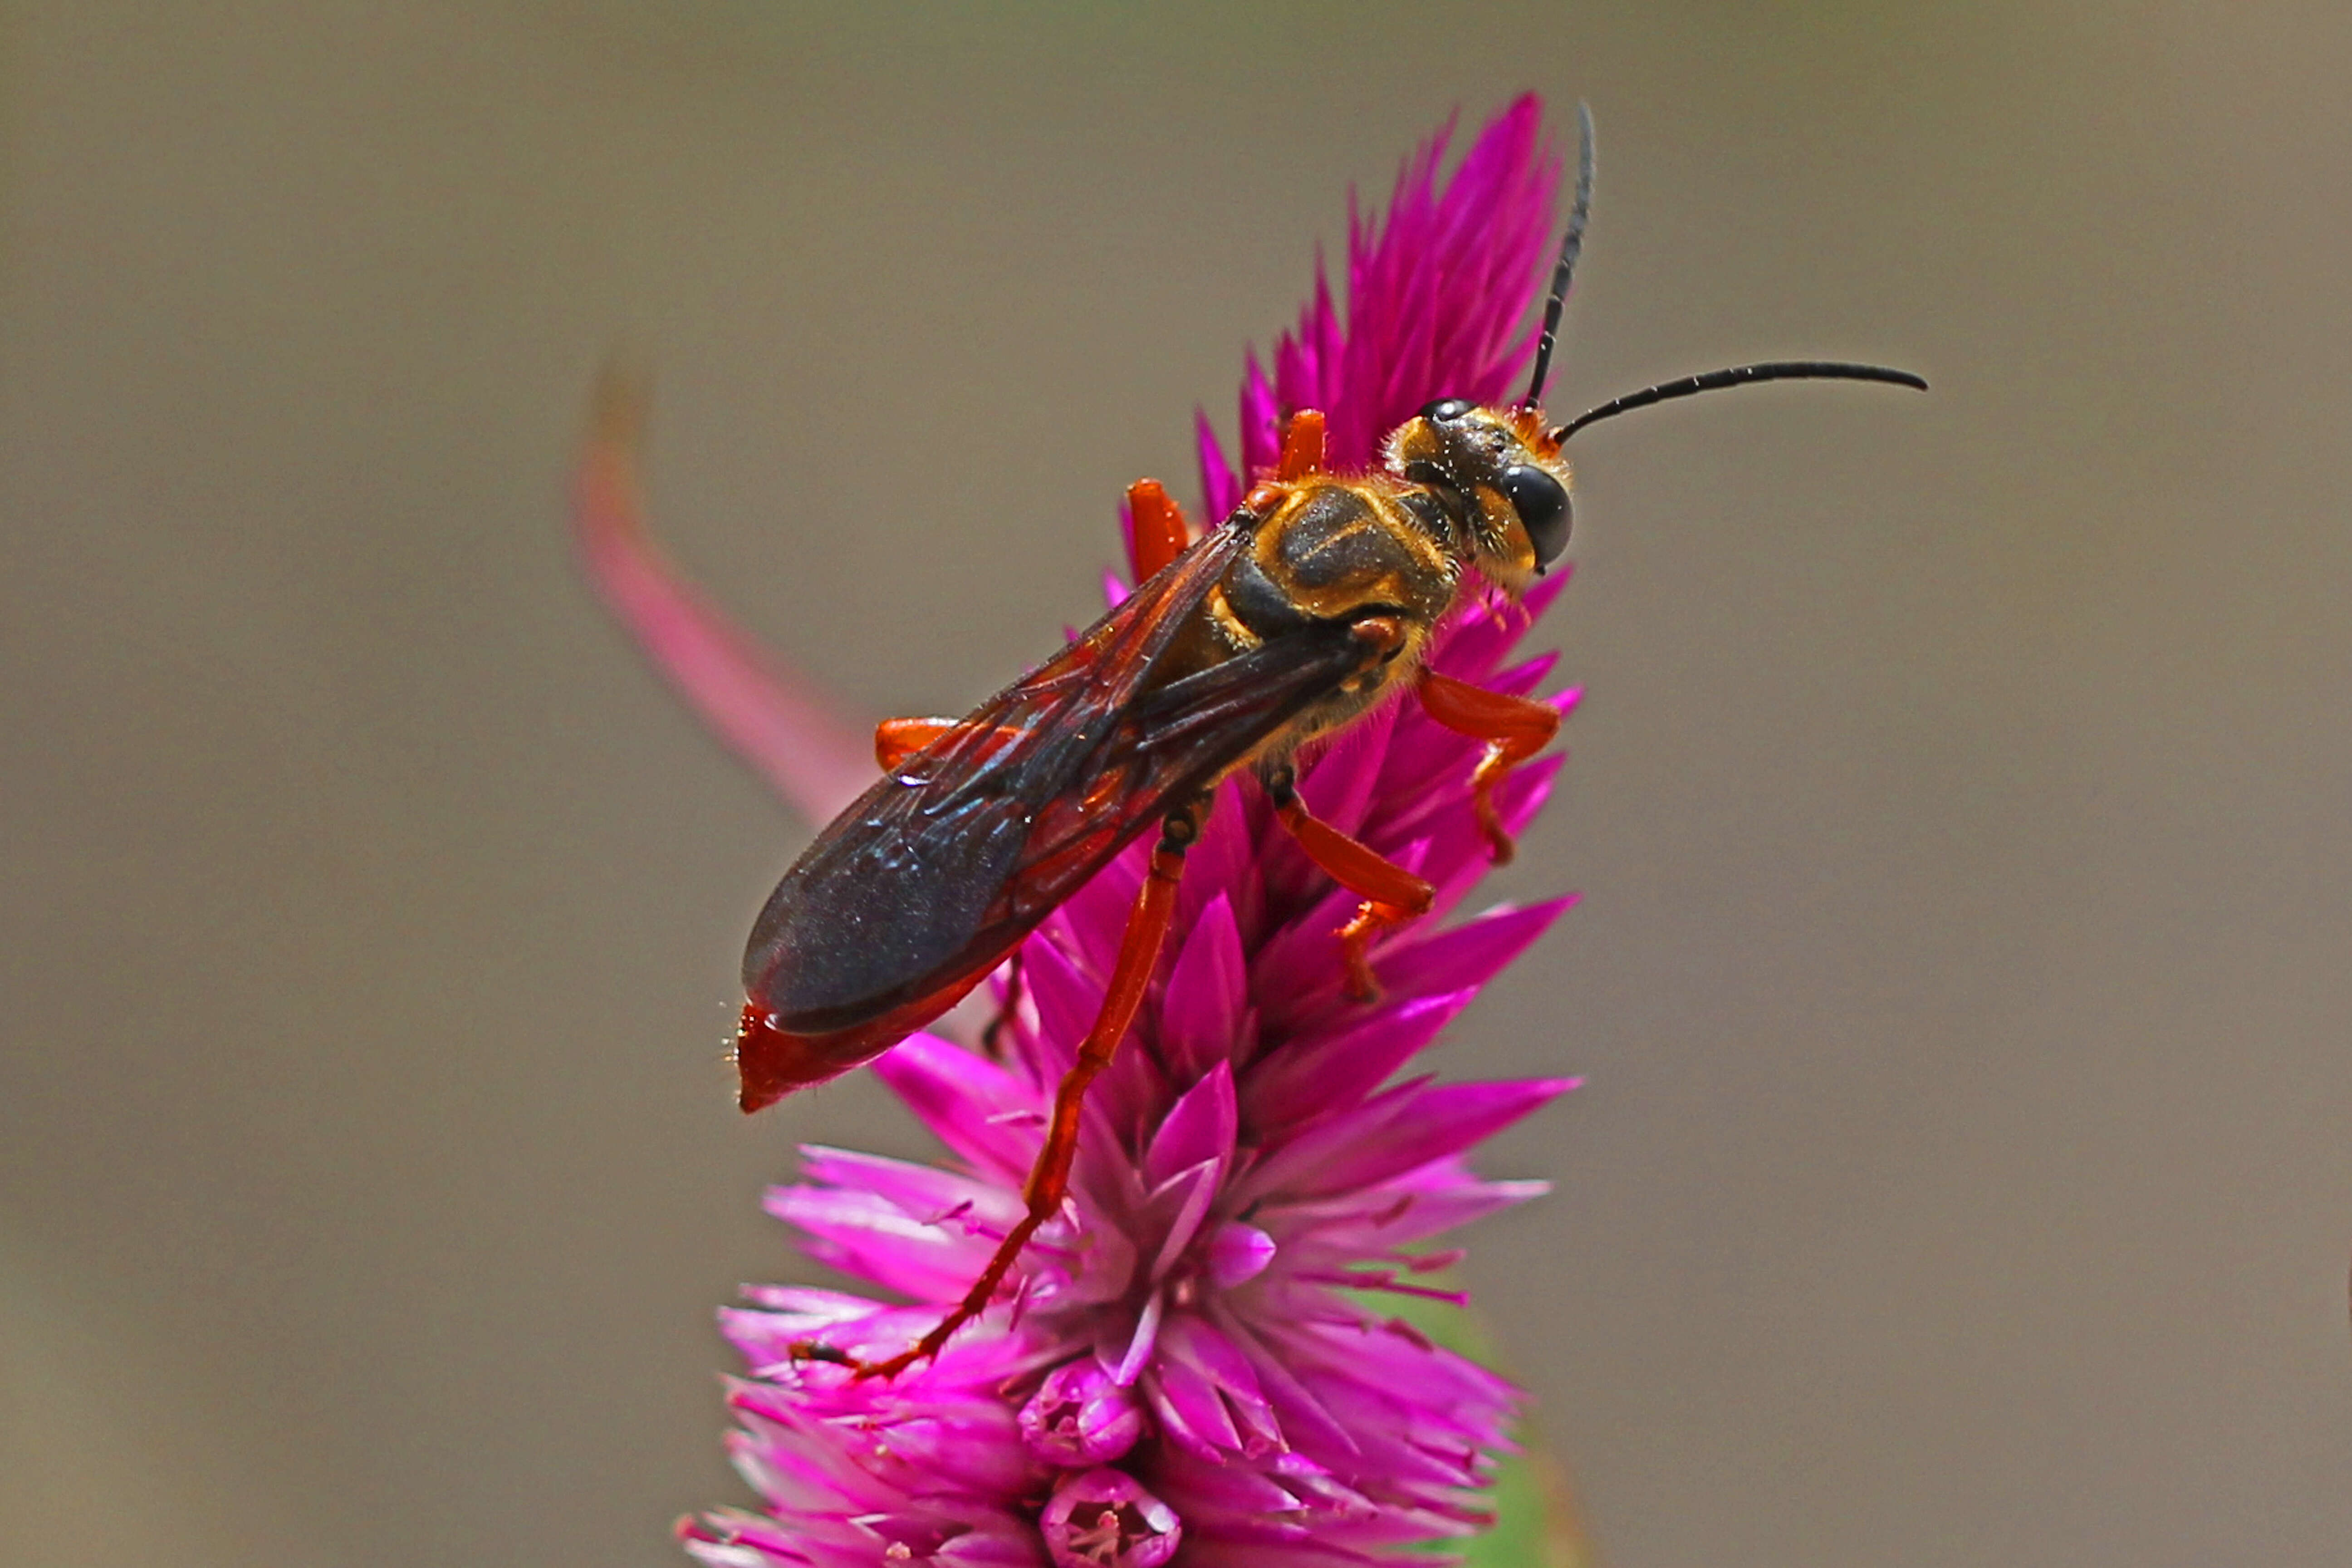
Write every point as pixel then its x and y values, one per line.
pixel 1192 1361
pixel 772 721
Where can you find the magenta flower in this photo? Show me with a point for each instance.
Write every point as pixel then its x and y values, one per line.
pixel 1194 1367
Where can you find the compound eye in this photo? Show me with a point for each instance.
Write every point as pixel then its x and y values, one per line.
pixel 1541 503
pixel 1447 409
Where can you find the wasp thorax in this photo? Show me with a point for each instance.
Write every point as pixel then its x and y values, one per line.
pixel 1494 478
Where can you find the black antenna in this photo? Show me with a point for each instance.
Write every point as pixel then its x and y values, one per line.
pixel 1739 375
pixel 1569 248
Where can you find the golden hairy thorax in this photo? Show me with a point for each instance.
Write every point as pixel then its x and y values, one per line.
pixel 1331 550
pixel 1338 548
pixel 1384 551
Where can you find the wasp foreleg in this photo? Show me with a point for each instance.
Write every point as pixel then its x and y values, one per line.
pixel 1301 457
pixel 1302 446
pixel 1156 531
pixel 1049 1178
pixel 1391 894
pixel 1514 728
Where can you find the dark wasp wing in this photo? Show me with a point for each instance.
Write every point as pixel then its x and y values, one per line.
pixel 892 896
pixel 934 874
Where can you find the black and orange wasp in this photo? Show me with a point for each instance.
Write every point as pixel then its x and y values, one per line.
pixel 1312 603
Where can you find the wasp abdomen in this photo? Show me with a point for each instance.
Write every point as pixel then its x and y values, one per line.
pixel 864 920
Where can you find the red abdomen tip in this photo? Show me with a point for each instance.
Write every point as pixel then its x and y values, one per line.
pixel 772 1063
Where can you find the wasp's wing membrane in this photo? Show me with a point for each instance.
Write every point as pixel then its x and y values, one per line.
pixel 1170 746
pixel 941 867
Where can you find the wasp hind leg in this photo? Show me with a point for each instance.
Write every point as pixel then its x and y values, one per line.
pixel 1514 728
pixel 895 740
pixel 1049 1178
pixel 1391 894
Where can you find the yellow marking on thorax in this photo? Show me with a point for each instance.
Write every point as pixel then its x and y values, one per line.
pixel 1424 587
pixel 1220 611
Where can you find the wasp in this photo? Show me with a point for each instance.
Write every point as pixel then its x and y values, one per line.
pixel 1314 602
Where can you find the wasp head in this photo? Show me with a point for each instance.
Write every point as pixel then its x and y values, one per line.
pixel 1493 479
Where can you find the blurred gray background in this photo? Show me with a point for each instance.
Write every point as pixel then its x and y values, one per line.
pixel 1960 802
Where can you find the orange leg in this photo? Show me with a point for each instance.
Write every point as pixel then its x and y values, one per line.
pixel 1302 446
pixel 1049 1178
pixel 895 740
pixel 1391 894
pixel 1514 728
pixel 1302 456
pixel 1156 531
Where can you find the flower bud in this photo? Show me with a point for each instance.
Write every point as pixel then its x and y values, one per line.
pixel 1104 1518
pixel 1079 1416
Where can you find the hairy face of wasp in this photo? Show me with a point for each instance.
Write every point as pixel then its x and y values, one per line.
pixel 1495 477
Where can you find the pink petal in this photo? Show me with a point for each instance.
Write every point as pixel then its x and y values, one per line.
pixel 1238 1252
pixel 873 1239
pixel 1473 641
pixel 1406 1128
pixel 1178 1206
pixel 1225 863
pixel 1199 1128
pixel 1460 854
pixel 1205 1389
pixel 1338 785
pixel 1313 1076
pixel 977 1109
pixel 922 1191
pixel 1261 419
pixel 1298 972
pixel 1202 1010
pixel 1189 1412
pixel 1303 1418
pixel 1066 1000
pixel 808 755
pixel 1472 954
pixel 1221 487
pixel 1436 1213
pixel 1145 1339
